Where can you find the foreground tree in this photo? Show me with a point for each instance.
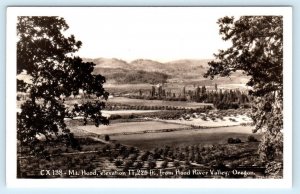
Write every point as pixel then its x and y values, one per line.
pixel 46 55
pixel 257 51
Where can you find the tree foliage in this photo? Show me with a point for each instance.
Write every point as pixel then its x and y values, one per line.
pixel 257 51
pixel 46 55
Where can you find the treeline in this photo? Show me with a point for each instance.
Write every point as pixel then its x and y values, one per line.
pixel 227 99
pixel 222 99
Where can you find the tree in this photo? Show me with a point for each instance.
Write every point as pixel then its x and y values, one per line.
pixel 257 51
pixel 46 55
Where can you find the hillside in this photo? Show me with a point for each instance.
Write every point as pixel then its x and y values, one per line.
pixel 107 62
pixel 185 71
pixel 147 65
pixel 173 67
pixel 129 76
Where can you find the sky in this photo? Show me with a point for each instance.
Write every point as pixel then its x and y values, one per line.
pixel 157 33
pixel 162 34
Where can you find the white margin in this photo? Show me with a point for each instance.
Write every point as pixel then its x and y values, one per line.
pixel 12 181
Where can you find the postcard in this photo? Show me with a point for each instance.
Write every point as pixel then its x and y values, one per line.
pixel 149 97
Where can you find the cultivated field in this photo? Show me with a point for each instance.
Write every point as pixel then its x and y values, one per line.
pixel 157 134
pixel 130 127
pixel 141 102
pixel 189 137
pixel 126 112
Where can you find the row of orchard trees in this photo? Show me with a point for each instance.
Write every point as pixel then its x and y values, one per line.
pixel 222 99
pixel 46 54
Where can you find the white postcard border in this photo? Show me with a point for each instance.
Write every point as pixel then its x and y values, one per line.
pixel 12 181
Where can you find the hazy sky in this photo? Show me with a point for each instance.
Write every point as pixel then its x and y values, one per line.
pixel 152 33
pixel 157 33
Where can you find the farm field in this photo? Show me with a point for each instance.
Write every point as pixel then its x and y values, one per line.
pixel 141 102
pixel 189 137
pixel 152 135
pixel 118 159
pixel 127 108
pixel 147 141
pixel 204 121
pixel 130 127
pixel 108 113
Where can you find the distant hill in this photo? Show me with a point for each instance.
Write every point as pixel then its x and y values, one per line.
pixel 150 65
pixel 147 65
pixel 174 74
pixel 107 62
pixel 130 76
pixel 189 71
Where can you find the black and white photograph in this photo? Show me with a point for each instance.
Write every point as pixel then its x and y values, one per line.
pixel 189 93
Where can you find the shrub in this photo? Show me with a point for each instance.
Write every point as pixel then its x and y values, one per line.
pixel 132 150
pixel 176 163
pixel 106 138
pixel 164 164
pixel 117 145
pixel 204 118
pixel 233 140
pixel 198 159
pixel 232 119
pixel 245 124
pixel 133 157
pixel 128 164
pixel 230 140
pixel 118 162
pixel 181 156
pixel 152 164
pixel 192 157
pixel 187 162
pixel 144 157
pixel 125 154
pixel 106 148
pixel 246 105
pixel 114 117
pixel 224 106
pixel 251 138
pixel 139 165
pixel 156 155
